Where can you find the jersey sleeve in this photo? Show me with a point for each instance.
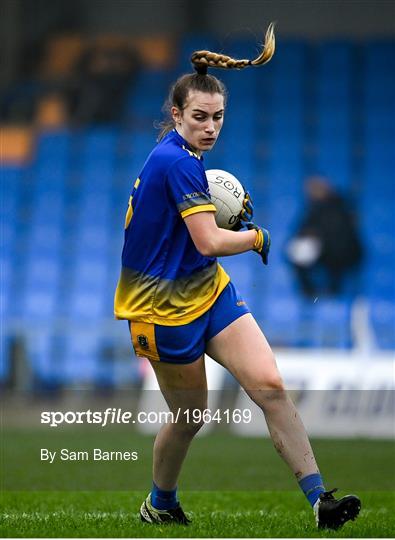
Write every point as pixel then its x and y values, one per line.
pixel 188 187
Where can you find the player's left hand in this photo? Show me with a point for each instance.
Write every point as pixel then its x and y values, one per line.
pixel 263 241
pixel 246 213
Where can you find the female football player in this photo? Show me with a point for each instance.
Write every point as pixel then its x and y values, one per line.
pixel 181 304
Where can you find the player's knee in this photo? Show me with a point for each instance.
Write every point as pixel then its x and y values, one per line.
pixel 274 383
pixel 189 430
pixel 191 422
pixel 271 391
pixel 270 382
pixel 270 378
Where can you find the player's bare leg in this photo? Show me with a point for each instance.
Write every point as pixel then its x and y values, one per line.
pixel 183 387
pixel 243 350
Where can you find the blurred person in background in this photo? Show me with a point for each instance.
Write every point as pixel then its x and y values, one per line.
pixel 180 303
pixel 326 245
pixel 19 98
pixel 99 84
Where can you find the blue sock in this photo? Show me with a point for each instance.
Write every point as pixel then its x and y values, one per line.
pixel 162 499
pixel 312 486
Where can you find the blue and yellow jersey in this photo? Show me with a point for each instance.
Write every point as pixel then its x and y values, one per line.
pixel 164 279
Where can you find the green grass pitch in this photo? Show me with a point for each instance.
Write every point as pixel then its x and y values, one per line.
pixel 214 514
pixel 230 487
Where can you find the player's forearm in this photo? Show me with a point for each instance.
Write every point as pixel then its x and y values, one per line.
pixel 226 242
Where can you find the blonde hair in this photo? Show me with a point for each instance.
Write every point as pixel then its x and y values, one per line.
pixel 205 59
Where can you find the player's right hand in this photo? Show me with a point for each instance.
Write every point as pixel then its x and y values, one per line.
pixel 262 242
pixel 247 211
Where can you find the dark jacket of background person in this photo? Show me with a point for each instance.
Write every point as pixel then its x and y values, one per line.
pixel 330 224
pixel 100 82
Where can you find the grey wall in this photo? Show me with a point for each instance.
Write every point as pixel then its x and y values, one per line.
pixel 136 16
pixel 308 18
pixel 313 19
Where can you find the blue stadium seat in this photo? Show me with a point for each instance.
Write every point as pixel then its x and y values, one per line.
pixel 137 144
pixel 379 279
pixel 379 57
pixel 382 317
pixel 291 58
pixel 87 307
pixel 334 72
pixel 11 192
pixel 378 118
pixel 10 187
pixel 378 80
pixel 52 156
pixel 99 144
pixel 40 305
pixel 6 283
pixel 329 323
pixel 43 270
pixel 280 277
pixel 82 351
pixel 4 352
pixel 336 163
pixel 284 210
pixel 90 273
pixel 147 95
pixel 285 104
pixel 378 183
pixel 91 242
pixel 281 321
pixel 241 272
pixel 45 358
pixel 241 45
pixel 241 88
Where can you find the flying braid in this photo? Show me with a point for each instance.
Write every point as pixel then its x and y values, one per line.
pixel 205 59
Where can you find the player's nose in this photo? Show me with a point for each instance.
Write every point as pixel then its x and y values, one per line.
pixel 209 128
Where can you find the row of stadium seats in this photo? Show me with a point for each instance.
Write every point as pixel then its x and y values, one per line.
pixel 58 195
pixel 311 110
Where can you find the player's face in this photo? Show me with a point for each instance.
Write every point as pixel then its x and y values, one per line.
pixel 201 119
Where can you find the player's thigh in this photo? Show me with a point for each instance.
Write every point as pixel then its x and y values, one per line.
pixel 184 386
pixel 242 348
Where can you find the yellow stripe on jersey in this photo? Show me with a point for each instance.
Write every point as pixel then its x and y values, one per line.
pixel 192 154
pixel 196 209
pixel 129 213
pixel 144 298
pixel 143 338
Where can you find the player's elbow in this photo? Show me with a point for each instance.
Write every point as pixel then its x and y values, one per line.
pixel 207 247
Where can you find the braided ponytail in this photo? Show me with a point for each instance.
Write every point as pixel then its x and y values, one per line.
pixel 202 82
pixel 202 60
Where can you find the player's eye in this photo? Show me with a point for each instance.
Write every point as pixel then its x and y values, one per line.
pixel 218 116
pixel 199 117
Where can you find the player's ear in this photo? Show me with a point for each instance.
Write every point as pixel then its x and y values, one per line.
pixel 176 115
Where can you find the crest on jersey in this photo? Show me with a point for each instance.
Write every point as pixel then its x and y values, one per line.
pixel 143 341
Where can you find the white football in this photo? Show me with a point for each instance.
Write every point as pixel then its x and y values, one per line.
pixel 227 195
